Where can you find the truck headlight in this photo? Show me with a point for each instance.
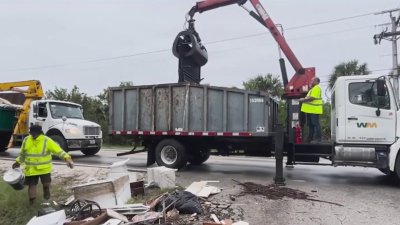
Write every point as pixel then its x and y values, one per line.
pixel 72 130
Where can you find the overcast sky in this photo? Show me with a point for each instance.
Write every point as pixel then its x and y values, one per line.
pixel 53 41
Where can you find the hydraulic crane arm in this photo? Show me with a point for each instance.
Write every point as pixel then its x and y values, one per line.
pixel 298 84
pixel 34 88
pixel 34 91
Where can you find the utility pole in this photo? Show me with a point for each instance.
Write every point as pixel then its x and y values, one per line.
pixel 392 36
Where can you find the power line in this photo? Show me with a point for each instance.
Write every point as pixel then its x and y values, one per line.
pixel 211 42
pixel 330 21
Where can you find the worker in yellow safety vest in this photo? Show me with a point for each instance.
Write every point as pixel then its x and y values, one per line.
pixel 312 106
pixel 36 158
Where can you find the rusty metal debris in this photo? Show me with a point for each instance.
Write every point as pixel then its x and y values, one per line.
pixel 82 208
pixel 277 192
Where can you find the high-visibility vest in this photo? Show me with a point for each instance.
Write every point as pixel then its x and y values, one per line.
pixel 315 106
pixel 35 155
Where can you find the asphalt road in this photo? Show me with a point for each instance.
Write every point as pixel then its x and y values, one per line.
pixel 244 167
pixel 367 195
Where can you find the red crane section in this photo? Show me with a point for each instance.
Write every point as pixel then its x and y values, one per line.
pixel 298 85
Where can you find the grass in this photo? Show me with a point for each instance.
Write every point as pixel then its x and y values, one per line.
pixel 14 205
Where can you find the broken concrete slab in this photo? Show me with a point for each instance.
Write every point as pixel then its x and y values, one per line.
pixel 107 193
pixel 201 189
pixel 208 190
pixel 163 176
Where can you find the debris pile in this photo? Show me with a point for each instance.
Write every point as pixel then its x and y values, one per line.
pixel 107 202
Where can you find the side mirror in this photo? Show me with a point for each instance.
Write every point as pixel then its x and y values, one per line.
pixel 380 86
pixel 35 110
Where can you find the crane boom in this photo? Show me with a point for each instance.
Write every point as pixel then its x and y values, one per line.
pixel 34 91
pixel 298 84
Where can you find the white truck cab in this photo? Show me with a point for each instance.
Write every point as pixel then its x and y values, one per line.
pixel 365 122
pixel 65 124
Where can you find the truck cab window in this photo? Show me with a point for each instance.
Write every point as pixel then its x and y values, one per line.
pixel 42 110
pixel 365 94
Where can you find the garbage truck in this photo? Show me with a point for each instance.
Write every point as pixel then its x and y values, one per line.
pixel 186 121
pixel 62 121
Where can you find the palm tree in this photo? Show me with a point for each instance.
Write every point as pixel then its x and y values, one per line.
pixel 346 69
pixel 268 83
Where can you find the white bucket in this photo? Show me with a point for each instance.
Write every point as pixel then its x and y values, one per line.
pixel 15 178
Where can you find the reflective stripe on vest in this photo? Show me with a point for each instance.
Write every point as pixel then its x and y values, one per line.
pixel 44 153
pixel 23 154
pixel 37 163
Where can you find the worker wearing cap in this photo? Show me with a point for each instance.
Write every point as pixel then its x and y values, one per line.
pixel 36 157
pixel 312 106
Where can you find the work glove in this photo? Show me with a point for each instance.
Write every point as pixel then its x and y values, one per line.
pixel 70 163
pixel 15 165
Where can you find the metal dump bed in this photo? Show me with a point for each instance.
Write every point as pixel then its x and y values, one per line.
pixel 184 107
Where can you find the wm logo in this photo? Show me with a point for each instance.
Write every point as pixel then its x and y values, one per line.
pixel 367 125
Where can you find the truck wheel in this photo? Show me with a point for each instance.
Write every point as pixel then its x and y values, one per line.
pixel 171 153
pixel 397 168
pixel 3 148
pixel 90 151
pixel 60 141
pixel 199 157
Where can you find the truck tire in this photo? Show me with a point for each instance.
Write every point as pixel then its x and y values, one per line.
pixel 60 141
pixel 90 151
pixel 171 153
pixel 3 148
pixel 199 157
pixel 397 168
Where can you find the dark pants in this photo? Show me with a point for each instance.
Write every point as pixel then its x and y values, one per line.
pixel 314 131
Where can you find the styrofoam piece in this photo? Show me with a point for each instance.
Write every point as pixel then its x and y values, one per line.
pixel 55 218
pixel 163 176
pixel 107 193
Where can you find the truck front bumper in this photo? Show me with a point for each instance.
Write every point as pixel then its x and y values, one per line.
pixel 78 144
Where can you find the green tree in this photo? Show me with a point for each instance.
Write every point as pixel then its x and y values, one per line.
pixel 268 83
pixel 346 69
pixel 274 87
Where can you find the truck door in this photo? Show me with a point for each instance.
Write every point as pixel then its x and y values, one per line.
pixel 370 119
pixel 40 115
